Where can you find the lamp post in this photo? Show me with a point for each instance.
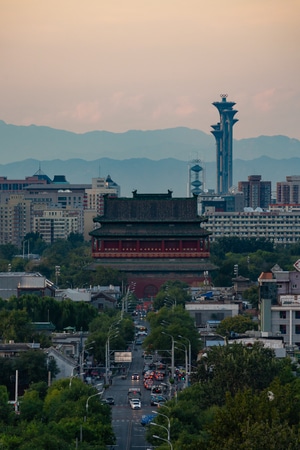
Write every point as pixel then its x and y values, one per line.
pixel 190 357
pixel 57 273
pixel 107 352
pixel 171 302
pixel 172 353
pixel 129 291
pixel 186 359
pixel 24 242
pixel 169 425
pixel 87 402
pixel 165 440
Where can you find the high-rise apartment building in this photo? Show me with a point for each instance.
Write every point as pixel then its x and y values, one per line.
pixel 288 192
pixel 54 208
pixel 15 219
pixel 223 133
pixel 57 223
pixel 257 193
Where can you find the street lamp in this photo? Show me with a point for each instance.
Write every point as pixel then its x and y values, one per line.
pixel 87 402
pixel 74 376
pixel 190 357
pixel 130 290
pixel 161 426
pixel 169 425
pixel 172 353
pixel 165 440
pixel 186 358
pixel 24 242
pixel 107 351
pixel 57 273
pixel 171 302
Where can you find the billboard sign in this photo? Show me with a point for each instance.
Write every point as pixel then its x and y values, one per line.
pixel 123 357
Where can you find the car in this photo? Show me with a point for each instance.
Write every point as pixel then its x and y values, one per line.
pixel 138 342
pixel 135 403
pixel 157 399
pixel 143 333
pixel 145 420
pixel 159 376
pixel 135 376
pixel 110 400
pixel 148 383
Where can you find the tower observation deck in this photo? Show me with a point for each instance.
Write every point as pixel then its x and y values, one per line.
pixel 223 134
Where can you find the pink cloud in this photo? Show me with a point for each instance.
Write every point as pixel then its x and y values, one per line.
pixel 264 101
pixel 184 107
pixel 122 101
pixel 87 112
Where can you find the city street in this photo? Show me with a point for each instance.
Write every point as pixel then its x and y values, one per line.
pixel 129 432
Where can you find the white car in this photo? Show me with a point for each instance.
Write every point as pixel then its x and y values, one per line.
pixel 135 403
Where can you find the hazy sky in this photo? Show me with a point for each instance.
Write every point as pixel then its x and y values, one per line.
pixel 119 65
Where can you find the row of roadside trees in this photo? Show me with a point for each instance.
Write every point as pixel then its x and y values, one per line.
pixel 240 397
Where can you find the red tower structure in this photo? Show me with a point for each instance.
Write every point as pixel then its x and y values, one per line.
pixel 153 238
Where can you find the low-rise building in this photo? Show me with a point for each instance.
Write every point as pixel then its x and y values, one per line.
pixel 278 226
pixel 207 314
pixel 279 304
pixel 21 283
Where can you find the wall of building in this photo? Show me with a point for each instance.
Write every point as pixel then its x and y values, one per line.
pixel 277 226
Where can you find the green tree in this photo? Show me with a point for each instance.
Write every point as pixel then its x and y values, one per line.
pixel 32 406
pixel 33 367
pixel 120 332
pixel 104 276
pixel 35 243
pixel 237 324
pixel 175 322
pixel 236 367
pixel 252 422
pixel 15 326
pixel 5 408
pixel 252 295
pixel 8 251
pixel 171 294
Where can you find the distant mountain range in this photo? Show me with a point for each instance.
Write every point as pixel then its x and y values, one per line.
pixel 150 176
pixel 149 161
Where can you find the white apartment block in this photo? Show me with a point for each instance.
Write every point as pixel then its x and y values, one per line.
pixel 55 224
pixel 282 319
pixel 279 310
pixel 279 226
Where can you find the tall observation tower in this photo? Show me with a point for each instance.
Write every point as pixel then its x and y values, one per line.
pixel 222 132
pixel 196 177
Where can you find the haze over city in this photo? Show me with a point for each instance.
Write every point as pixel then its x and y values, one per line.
pixel 118 66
